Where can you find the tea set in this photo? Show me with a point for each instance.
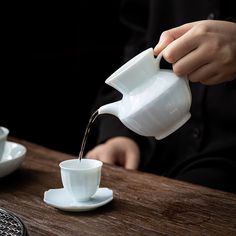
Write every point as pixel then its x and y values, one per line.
pixel 81 191
pixel 155 103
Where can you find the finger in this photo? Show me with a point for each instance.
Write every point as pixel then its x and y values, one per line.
pixel 179 48
pixel 203 74
pixel 171 35
pixel 91 155
pixel 95 153
pixel 132 161
pixel 190 62
pixel 212 80
pixel 105 154
pixel 165 39
pixel 208 75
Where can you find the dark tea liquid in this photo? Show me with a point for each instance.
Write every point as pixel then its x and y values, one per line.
pixel 91 120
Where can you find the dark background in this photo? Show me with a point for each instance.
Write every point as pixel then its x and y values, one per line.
pixel 55 58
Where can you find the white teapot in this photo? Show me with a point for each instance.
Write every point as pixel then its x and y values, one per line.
pixel 155 102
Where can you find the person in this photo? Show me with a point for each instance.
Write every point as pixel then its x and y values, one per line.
pixel 198 40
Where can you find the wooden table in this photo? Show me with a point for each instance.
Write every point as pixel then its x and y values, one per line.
pixel 143 204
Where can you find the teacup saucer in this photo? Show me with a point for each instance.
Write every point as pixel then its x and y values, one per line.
pixel 13 156
pixel 60 199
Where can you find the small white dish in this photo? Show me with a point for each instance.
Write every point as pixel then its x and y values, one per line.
pixel 60 199
pixel 13 156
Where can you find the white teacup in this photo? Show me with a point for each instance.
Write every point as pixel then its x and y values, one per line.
pixel 3 137
pixel 81 178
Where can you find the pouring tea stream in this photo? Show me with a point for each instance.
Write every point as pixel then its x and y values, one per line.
pixel 155 102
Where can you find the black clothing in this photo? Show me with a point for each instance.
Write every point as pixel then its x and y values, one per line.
pixel 203 151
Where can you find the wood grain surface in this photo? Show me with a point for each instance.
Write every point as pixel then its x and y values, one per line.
pixel 143 204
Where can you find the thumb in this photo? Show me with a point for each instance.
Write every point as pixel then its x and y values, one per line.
pixel 132 159
pixel 132 163
pixel 171 35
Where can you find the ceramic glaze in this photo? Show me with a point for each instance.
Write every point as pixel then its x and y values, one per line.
pixel 3 138
pixel 155 102
pixel 81 178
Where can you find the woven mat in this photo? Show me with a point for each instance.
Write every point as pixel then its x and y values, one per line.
pixel 10 224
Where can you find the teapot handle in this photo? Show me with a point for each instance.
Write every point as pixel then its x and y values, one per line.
pixel 158 60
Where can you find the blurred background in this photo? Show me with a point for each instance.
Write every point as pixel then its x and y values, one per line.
pixel 55 58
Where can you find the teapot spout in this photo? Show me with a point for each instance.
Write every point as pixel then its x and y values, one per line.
pixel 111 108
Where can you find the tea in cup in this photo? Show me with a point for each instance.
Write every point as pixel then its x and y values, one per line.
pixel 3 137
pixel 81 178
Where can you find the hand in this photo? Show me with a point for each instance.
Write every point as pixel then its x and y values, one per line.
pixel 203 51
pixel 120 151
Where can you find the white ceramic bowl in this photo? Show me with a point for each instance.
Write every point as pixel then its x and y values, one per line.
pixel 13 156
